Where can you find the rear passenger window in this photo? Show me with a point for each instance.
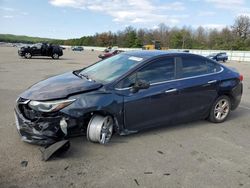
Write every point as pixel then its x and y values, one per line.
pixel 193 66
pixel 213 67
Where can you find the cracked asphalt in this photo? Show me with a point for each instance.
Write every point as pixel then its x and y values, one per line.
pixel 197 154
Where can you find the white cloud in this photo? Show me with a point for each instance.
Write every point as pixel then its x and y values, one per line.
pixel 24 13
pixel 175 6
pixel 231 5
pixel 8 16
pixel 234 7
pixel 11 12
pixel 128 11
pixel 68 3
pixel 221 3
pixel 214 26
pixel 244 14
pixel 206 13
pixel 7 9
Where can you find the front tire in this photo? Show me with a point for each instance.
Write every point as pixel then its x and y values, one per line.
pixel 100 129
pixel 220 109
pixel 27 55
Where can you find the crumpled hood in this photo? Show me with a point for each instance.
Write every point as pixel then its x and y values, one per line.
pixel 59 87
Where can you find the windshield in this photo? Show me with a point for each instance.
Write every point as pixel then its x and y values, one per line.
pixel 109 69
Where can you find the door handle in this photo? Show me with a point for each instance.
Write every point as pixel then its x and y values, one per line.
pixel 211 81
pixel 170 90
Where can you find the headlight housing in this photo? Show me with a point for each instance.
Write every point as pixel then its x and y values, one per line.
pixel 50 106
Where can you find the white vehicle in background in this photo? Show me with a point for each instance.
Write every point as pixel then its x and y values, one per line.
pixel 111 48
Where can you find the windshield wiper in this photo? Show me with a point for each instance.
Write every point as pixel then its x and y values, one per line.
pixel 80 75
pixel 86 76
pixel 76 73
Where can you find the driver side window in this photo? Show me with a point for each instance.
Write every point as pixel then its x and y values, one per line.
pixel 157 71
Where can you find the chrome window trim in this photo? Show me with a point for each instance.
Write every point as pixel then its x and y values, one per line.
pixel 163 82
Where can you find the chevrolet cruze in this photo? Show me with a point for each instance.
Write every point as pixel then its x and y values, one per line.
pixel 127 93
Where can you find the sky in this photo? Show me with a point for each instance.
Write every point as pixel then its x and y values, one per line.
pixel 63 19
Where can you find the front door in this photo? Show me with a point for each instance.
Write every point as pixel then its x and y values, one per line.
pixel 156 105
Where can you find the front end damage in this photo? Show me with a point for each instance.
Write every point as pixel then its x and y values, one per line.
pixel 43 128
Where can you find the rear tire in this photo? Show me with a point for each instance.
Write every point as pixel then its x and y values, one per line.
pixel 220 109
pixel 55 56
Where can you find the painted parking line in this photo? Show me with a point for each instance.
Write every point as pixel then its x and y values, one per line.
pixel 245 107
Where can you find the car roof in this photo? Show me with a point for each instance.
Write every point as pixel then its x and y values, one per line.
pixel 153 53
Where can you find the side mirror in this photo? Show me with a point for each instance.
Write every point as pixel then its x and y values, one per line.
pixel 140 84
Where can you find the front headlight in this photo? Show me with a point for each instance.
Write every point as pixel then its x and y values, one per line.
pixel 50 106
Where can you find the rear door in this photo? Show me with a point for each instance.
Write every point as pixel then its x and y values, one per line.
pixel 199 82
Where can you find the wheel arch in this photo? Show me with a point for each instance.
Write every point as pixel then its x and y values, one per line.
pixel 234 98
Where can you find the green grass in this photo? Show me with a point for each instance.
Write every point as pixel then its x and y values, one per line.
pixel 23 39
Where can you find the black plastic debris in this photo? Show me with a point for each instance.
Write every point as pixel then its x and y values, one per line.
pixel 137 183
pixel 55 149
pixel 148 172
pixel 160 152
pixel 166 174
pixel 24 163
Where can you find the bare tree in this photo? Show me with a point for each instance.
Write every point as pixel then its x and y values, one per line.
pixel 164 34
pixel 201 36
pixel 241 26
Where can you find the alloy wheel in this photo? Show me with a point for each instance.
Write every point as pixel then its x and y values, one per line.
pixel 100 129
pixel 55 56
pixel 221 109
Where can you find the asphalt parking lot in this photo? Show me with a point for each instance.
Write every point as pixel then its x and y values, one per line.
pixel 197 154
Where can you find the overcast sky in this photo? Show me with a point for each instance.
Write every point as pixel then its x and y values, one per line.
pixel 75 18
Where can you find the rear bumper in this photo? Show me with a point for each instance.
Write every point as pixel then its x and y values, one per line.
pixel 236 94
pixel 60 53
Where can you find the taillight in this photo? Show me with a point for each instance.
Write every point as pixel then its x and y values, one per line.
pixel 241 77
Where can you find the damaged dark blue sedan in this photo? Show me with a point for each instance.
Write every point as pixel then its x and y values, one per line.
pixel 127 93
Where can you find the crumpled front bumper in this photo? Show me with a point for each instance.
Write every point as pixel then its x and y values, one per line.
pixel 44 131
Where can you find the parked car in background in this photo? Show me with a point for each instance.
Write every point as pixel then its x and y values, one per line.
pixel 109 54
pixel 111 48
pixel 127 93
pixel 62 47
pixel 222 56
pixel 41 49
pixel 77 48
pixel 107 49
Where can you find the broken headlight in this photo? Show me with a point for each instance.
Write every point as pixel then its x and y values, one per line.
pixel 50 106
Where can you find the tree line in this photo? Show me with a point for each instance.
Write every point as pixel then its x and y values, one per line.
pixel 23 39
pixel 235 37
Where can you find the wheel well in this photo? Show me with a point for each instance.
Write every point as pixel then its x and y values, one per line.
pixel 229 96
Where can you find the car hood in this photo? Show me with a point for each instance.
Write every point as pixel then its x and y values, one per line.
pixel 58 87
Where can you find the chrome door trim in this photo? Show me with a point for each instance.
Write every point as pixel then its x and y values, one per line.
pixel 163 82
